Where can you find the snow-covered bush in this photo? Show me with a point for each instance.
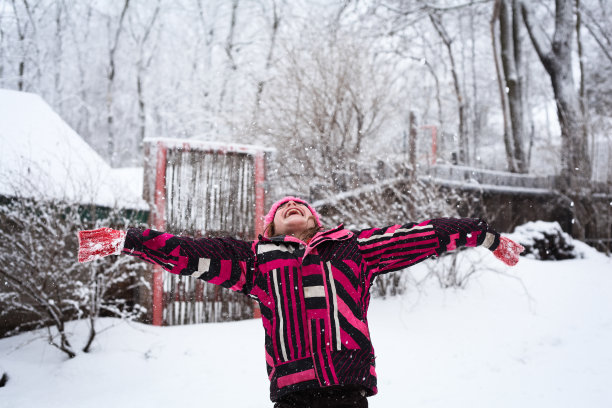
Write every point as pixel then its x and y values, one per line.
pixel 545 241
pixel 43 283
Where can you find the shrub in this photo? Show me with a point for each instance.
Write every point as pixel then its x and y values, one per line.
pixel 544 241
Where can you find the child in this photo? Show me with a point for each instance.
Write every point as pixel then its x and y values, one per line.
pixel 313 287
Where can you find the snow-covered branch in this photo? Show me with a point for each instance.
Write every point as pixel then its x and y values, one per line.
pixel 44 285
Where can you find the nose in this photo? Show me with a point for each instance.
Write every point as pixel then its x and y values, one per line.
pixel 289 205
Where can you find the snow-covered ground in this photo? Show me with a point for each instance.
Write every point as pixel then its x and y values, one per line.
pixel 536 335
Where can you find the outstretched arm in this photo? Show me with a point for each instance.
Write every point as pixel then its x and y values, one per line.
pixel 399 246
pixel 223 261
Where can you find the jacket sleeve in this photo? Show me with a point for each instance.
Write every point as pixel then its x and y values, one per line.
pixel 400 246
pixel 227 262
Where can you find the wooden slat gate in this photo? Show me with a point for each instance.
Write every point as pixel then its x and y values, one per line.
pixel 202 189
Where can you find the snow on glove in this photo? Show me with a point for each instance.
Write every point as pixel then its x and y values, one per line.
pixel 98 243
pixel 508 251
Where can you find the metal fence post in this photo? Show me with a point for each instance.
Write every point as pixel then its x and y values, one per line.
pixel 159 223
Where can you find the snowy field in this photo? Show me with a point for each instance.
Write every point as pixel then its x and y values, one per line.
pixel 536 335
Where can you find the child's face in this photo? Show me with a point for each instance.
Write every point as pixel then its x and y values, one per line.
pixel 293 218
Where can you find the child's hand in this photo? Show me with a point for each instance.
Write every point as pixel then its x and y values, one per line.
pixel 508 251
pixel 95 244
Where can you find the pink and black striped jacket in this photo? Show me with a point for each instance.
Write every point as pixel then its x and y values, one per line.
pixel 314 298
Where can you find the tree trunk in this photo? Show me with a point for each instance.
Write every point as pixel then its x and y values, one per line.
pixel 557 60
pixel 229 47
pixel 476 110
pixel 582 90
pixel 92 334
pixel 510 56
pixel 58 58
pixel 276 19
pixel 21 33
pixel 109 88
pixel 142 64
pixel 512 167
pixel 461 105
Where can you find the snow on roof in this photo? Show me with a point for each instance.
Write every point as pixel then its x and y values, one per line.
pixel 43 157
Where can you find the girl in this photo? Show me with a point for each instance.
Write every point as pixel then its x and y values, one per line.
pixel 313 287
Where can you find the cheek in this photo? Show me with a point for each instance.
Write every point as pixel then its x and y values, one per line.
pixel 280 226
pixel 277 219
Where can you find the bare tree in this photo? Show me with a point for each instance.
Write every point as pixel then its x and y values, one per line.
pixel 274 26
pixel 23 26
pixel 436 21
pixel 213 75
pixel 203 62
pixel 229 51
pixel 595 23
pixel 110 75
pixel 78 36
pixel 327 100
pixel 59 22
pixel 143 62
pixel 556 57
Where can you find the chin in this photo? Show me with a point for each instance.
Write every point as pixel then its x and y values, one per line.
pixel 296 228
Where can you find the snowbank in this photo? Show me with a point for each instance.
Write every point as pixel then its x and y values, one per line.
pixel 42 157
pixel 536 335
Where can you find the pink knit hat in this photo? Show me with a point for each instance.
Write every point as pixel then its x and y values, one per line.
pixel 270 216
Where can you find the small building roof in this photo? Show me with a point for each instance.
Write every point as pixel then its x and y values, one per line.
pixel 41 156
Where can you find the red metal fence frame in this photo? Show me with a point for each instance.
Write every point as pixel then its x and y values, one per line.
pixel 159 223
pixel 158 218
pixel 434 142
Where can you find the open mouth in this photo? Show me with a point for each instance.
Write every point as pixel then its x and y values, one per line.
pixel 293 211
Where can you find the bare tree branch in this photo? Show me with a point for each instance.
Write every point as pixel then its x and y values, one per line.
pixel 537 37
pixel 597 36
pixel 426 6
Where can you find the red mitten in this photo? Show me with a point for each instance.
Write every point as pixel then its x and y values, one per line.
pixel 98 243
pixel 508 251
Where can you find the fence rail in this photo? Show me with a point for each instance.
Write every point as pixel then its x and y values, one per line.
pixel 490 177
